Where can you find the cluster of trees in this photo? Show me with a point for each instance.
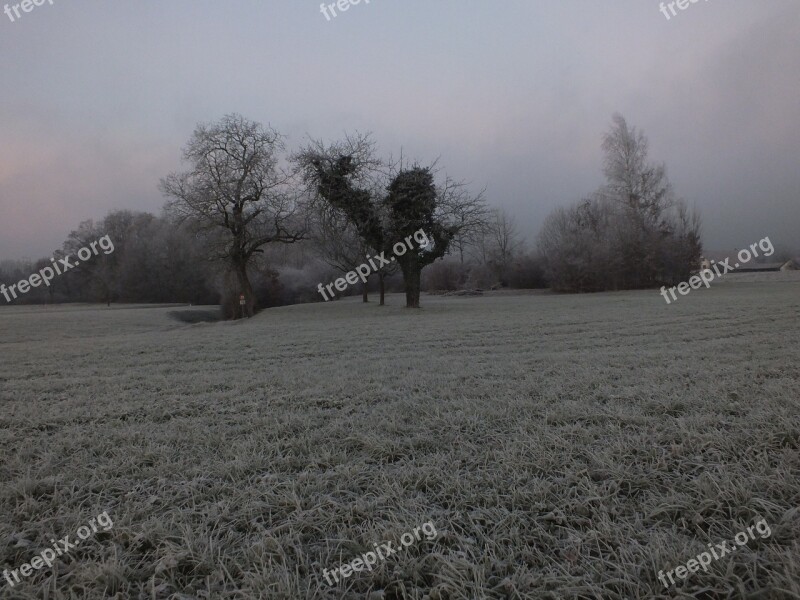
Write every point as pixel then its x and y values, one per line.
pixel 248 219
pixel 243 195
pixel 381 205
pixel 152 262
pixel 631 233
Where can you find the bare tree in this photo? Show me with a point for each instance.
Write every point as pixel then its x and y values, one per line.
pixel 236 188
pixel 468 213
pixel 337 242
pixel 633 182
pixel 504 244
pixel 632 233
pixel 649 213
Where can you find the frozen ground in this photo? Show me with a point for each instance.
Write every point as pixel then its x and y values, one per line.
pixel 563 447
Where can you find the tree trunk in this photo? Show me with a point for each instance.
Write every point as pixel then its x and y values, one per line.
pixel 382 280
pixel 365 296
pixel 412 273
pixel 245 289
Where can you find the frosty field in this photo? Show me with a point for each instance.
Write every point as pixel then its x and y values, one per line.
pixel 563 446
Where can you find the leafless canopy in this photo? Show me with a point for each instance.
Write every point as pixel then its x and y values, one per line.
pixel 236 183
pixel 237 194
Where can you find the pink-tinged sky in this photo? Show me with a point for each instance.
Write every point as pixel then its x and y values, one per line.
pixel 97 99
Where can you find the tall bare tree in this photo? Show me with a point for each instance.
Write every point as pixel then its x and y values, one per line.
pixel 632 233
pixel 504 244
pixel 631 179
pixel 236 192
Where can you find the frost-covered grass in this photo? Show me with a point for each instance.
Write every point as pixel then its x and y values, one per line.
pixel 563 446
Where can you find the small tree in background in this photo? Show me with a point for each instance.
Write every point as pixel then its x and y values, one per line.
pixel 337 242
pixel 504 245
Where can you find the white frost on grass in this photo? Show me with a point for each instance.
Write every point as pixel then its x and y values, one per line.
pixel 565 446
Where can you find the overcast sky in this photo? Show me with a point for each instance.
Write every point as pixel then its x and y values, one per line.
pixel 98 98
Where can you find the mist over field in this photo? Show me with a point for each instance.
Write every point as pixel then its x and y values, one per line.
pixel 399 300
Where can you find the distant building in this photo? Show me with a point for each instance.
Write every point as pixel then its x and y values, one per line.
pixel 752 267
pixel 791 265
pixel 710 258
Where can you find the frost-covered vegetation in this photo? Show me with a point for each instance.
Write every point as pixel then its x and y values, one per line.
pixel 632 233
pixel 563 446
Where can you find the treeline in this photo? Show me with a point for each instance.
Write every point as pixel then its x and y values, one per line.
pixel 248 219
pixel 157 261
pixel 152 262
